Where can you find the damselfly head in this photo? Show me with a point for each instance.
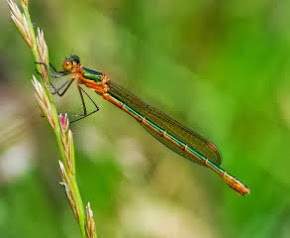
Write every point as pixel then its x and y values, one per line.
pixel 68 63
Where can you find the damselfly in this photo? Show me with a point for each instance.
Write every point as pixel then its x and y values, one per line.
pixel 185 142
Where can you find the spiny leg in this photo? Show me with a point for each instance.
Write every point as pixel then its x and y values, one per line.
pixel 95 104
pixel 81 91
pixel 65 85
pixel 55 74
pixel 54 69
pixel 83 101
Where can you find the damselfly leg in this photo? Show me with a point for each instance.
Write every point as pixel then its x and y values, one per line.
pixel 62 89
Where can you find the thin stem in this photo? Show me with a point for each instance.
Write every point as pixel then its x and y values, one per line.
pixel 60 124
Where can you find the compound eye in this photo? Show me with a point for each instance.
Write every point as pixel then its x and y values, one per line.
pixel 67 65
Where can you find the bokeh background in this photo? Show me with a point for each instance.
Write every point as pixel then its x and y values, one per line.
pixel 220 67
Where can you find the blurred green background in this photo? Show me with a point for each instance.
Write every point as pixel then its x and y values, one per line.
pixel 220 67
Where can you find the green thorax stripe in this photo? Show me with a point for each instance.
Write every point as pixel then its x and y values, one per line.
pixel 92 75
